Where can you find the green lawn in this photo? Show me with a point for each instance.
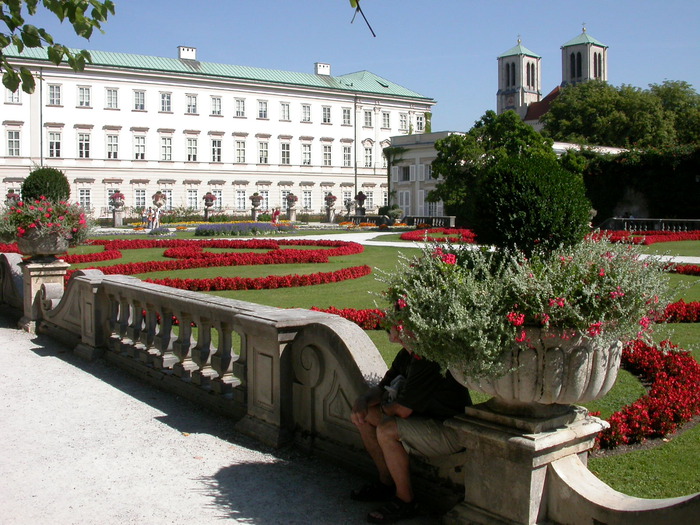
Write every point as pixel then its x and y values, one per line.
pixel 665 471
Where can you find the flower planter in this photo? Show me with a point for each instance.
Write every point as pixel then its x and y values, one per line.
pixel 549 373
pixel 42 246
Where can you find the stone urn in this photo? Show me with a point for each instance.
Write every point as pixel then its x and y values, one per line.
pixel 41 247
pixel 548 373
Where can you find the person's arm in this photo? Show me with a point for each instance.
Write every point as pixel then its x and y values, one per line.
pixel 371 398
pixel 395 409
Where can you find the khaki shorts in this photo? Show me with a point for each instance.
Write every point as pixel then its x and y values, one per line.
pixel 427 437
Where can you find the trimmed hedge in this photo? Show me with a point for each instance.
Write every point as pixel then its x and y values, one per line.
pixel 48 182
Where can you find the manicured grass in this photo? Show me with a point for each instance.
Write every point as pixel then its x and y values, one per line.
pixel 688 248
pixel 666 471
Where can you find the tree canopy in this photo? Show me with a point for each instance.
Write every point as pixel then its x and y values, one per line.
pixel 601 114
pixel 84 15
pixel 462 159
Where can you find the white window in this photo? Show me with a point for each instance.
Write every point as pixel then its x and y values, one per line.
pixel 12 97
pixel 347 119
pixel 369 202
pixel 265 203
pixel 139 100
pixel 240 107
pixel 386 119
pixel 166 105
pixel 54 95
pixel 192 149
pixel 112 146
pixel 84 145
pixel 326 114
pixel 166 148
pixel 403 121
pixel 284 111
pixel 368 158
pixel 240 151
pixel 428 171
pixel 347 196
pixel 140 198
pixel 192 104
pixel 385 198
pixel 84 198
pixel 192 199
pixel 84 97
pixel 306 199
pixel 305 113
pixel 168 199
pixel 368 119
pixel 306 154
pixel 216 105
pixel 420 123
pixel 241 203
pixel 139 147
pixel 347 156
pixel 216 150
pixel 218 203
pixel 284 194
pixel 112 97
pixel 55 144
pixel 327 158
pixel 13 143
pixel 285 153
pixel 262 108
pixel 263 152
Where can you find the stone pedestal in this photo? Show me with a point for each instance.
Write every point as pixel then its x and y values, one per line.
pixel 35 275
pixel 292 214
pixel 254 213
pixel 508 458
pixel 117 217
pixel 330 214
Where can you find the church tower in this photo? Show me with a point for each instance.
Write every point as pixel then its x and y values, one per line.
pixel 519 79
pixel 583 58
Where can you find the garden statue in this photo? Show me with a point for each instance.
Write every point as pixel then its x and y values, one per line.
pixel 360 199
pixel 116 201
pixel 291 207
pixel 330 207
pixel 209 199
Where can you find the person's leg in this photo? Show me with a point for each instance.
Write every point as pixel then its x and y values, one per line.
pixel 395 458
pixel 368 433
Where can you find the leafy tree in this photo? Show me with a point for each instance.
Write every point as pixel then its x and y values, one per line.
pixel 683 103
pixel 597 113
pixel 462 159
pixel 21 34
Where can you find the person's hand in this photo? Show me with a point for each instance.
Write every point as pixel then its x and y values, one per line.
pixel 359 410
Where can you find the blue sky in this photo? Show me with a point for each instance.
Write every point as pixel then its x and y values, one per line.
pixel 443 49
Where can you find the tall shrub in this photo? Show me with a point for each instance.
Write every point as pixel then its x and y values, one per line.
pixel 49 182
pixel 529 203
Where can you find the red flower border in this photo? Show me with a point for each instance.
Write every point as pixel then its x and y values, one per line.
pixel 456 235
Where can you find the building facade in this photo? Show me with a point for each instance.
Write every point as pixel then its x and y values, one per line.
pixel 139 124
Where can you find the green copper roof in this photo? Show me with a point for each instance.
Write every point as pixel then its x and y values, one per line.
pixel 362 81
pixel 519 50
pixel 584 38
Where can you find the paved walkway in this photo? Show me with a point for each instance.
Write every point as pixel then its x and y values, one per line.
pixel 85 443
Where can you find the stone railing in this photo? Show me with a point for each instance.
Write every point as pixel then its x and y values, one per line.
pixel 628 224
pixel 448 221
pixel 291 376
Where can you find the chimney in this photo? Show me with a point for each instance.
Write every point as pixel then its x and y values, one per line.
pixel 187 53
pixel 322 69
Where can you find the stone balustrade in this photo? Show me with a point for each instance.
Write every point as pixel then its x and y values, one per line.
pixel 290 375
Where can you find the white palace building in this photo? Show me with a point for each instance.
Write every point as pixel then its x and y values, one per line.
pixel 139 124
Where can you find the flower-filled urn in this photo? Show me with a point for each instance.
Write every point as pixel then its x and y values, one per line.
pixel 291 200
pixel 116 199
pixel 158 199
pixel 256 199
pixel 209 199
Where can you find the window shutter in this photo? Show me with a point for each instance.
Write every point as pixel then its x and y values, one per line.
pixel 421 200
pixel 421 172
pixel 394 174
pixel 412 173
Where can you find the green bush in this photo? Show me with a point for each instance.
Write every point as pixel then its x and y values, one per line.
pixel 49 182
pixel 531 204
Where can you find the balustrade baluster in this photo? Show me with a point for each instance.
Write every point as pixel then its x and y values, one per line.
pixel 223 358
pixel 182 347
pixel 145 347
pixel 135 328
pixel 114 340
pixel 201 353
pixel 125 343
pixel 163 356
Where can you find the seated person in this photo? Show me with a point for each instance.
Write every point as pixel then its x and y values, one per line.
pixel 405 413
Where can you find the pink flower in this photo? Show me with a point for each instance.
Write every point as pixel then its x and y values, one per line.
pixel 557 301
pixel 602 272
pixel 645 322
pixel 515 318
pixel 595 329
pixel 401 303
pixel 617 294
pixel 449 258
pixel 521 337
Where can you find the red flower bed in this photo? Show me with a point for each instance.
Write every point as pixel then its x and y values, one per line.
pixel 264 283
pixel 673 397
pixel 685 269
pixel 649 237
pixel 9 248
pixel 440 235
pixel 682 312
pixel 369 319
pixel 93 257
